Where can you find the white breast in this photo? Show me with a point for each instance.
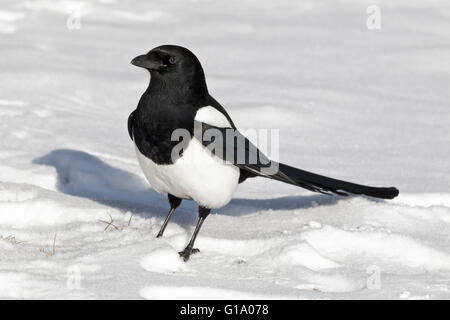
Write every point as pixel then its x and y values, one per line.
pixel 197 175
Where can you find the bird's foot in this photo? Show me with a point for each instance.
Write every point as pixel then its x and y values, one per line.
pixel 186 253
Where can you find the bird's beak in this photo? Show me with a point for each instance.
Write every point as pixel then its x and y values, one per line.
pixel 144 61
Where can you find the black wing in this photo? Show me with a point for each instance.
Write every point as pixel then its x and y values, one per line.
pixel 130 124
pixel 238 150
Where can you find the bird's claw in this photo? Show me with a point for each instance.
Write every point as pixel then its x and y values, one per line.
pixel 186 253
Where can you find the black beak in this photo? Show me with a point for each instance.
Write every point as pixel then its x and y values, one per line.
pixel 144 61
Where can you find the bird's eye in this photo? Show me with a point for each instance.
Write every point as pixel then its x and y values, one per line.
pixel 172 60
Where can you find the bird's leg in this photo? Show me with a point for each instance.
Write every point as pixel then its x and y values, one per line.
pixel 163 227
pixel 174 203
pixel 202 214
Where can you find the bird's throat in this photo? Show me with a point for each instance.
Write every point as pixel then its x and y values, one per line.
pixel 177 90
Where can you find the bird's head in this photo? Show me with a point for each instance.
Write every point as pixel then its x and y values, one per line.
pixel 174 66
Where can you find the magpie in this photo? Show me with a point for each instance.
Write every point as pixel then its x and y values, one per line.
pixel 177 98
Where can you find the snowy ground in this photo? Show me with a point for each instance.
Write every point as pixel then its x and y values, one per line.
pixel 370 106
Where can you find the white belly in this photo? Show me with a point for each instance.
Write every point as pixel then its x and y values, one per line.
pixel 197 175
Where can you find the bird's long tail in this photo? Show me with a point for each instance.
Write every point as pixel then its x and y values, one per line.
pixel 322 184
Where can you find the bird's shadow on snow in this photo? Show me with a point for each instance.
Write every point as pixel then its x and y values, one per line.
pixel 83 175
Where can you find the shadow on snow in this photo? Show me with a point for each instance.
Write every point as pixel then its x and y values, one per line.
pixel 84 175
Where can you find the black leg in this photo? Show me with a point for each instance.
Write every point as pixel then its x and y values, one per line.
pixel 202 214
pixel 174 203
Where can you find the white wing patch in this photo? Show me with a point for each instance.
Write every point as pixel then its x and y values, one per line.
pixel 212 116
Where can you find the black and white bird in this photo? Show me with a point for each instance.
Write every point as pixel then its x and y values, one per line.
pixel 177 98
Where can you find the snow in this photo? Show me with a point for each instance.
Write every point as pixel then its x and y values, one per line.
pixel 164 260
pixel 78 219
pixel 196 293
